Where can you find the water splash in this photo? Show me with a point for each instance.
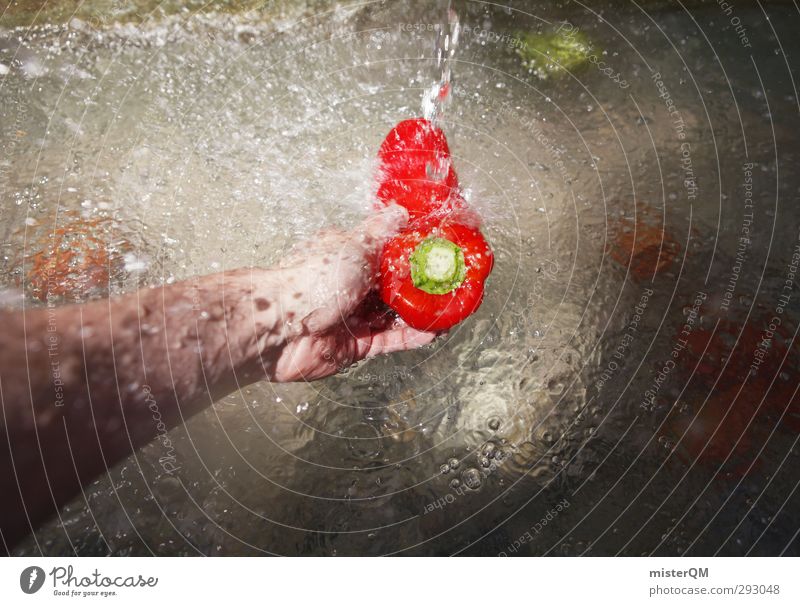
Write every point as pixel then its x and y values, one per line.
pixel 436 99
pixel 525 375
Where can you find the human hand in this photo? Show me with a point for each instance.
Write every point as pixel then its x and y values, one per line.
pixel 327 300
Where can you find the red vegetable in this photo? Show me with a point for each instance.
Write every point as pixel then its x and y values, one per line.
pixel 432 274
pixel 416 169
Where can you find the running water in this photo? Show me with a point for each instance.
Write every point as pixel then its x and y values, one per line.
pixel 437 97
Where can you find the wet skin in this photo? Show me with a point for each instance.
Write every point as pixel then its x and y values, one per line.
pixel 79 384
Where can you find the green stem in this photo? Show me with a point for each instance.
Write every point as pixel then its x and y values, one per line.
pixel 437 266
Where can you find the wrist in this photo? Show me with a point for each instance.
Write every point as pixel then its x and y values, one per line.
pixel 266 321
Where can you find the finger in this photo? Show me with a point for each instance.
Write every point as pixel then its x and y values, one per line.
pixel 371 316
pixel 401 338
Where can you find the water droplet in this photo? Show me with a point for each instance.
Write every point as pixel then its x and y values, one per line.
pixel 471 478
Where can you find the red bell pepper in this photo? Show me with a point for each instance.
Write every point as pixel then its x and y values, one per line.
pixel 416 169
pixel 432 273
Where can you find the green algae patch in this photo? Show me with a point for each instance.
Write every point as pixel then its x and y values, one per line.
pixel 552 55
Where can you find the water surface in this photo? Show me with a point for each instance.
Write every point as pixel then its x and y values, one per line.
pixel 190 143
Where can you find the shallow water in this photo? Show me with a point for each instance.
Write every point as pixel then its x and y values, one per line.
pixel 218 140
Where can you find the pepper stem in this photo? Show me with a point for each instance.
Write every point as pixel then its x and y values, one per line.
pixel 437 266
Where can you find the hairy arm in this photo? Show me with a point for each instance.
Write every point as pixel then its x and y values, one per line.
pixel 82 386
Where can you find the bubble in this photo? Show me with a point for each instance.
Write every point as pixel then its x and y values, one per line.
pixel 364 441
pixel 471 478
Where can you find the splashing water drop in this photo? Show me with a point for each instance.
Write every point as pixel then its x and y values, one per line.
pixel 437 97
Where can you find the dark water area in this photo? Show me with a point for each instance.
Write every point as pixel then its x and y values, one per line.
pixel 630 384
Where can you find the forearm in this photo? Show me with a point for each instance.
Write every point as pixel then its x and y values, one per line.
pixel 83 386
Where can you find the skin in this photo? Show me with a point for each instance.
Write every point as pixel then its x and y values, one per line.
pixel 79 383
